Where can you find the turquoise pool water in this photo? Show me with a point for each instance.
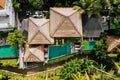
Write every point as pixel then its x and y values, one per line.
pixel 8 52
pixel 91 46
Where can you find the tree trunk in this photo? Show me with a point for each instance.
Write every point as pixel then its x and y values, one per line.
pixel 17 22
pixel 21 55
pixel 21 62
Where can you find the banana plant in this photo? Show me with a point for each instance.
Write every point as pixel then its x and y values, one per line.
pixel 78 76
pixel 87 65
pixel 70 68
pixel 117 66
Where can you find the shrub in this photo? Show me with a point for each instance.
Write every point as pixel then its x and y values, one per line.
pixel 4 75
pixel 15 38
pixel 77 65
pixel 87 66
pixel 70 68
pixel 62 59
pixel 100 50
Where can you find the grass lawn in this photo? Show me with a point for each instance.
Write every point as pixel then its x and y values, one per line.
pixel 9 62
pixel 45 75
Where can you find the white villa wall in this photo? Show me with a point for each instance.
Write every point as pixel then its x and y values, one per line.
pixel 7 15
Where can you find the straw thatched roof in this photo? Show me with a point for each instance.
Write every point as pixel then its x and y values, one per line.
pixel 92 28
pixel 2 4
pixel 65 22
pixel 113 42
pixel 34 54
pixel 38 31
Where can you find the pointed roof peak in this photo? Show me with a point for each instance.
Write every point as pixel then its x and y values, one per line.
pixel 39 22
pixel 64 11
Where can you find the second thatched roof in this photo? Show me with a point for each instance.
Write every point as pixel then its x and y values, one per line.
pixel 113 42
pixel 65 22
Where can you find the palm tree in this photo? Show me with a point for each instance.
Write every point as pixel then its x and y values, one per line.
pixel 88 7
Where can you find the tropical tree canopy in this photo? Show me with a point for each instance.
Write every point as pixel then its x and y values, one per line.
pixel 88 7
pixel 37 4
pixel 115 16
pixel 16 5
pixel 15 38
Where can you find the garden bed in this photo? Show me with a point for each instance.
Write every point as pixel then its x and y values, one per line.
pixel 53 63
pixel 54 73
pixel 39 67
